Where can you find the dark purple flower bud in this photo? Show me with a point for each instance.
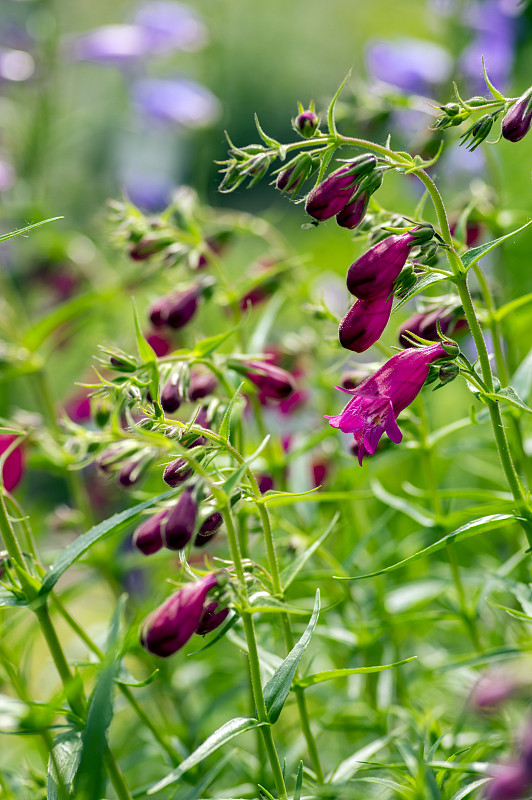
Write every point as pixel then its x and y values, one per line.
pixel 147 247
pixel 158 312
pixel 273 382
pixel 171 625
pixel 177 472
pixel 353 213
pixel 511 781
pixel 306 123
pixel 132 471
pixel 208 528
pixel 265 483
pixel 170 397
pixel 374 273
pixel 518 119
pixel 201 385
pixel 426 324
pixel 182 307
pixel 181 522
pixel 364 322
pixel 211 619
pixel 148 537
pixel 293 176
pixel 329 197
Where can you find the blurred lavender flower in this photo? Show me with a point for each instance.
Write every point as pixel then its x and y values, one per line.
pixel 413 65
pixel 158 28
pixel 175 101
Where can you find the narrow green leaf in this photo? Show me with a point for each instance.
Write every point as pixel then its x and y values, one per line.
pixel 28 228
pixel 495 92
pixel 225 427
pixel 274 499
pixel 209 777
pixel 207 346
pixel 66 757
pixel 469 789
pixel 330 112
pixel 420 515
pixel 331 674
pixel 512 306
pixel 220 737
pixel 146 353
pixel 137 684
pixel 522 378
pixel 67 312
pixel 299 782
pixel 508 395
pixel 346 769
pixel 90 774
pixel 277 689
pixel 479 660
pixel 476 253
pixel 289 573
pixel 83 543
pixel 269 140
pixel 430 279
pixel 473 528
pixel 513 612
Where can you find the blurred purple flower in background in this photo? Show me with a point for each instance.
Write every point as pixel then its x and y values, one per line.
pixel 413 65
pixel 175 101
pixel 494 23
pixel 157 28
pixel 15 65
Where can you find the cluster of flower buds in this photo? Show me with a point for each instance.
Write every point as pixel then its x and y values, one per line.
pixel 182 386
pixel 478 131
pixel 251 161
pixel 372 279
pixel 518 119
pixel 175 310
pixel 126 460
pixel 454 114
pixel 345 193
pixel 167 629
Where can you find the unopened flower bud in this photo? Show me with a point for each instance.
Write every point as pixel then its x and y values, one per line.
pixel 181 522
pixel 405 282
pixel 374 273
pixel 518 119
pixel 479 131
pixel 273 382
pixel 101 411
pixel 170 397
pixel 201 385
pixel 122 363
pixel 265 483
pixel 332 195
pixel 448 372
pixel 208 528
pixel 148 537
pixel 158 312
pixel 177 472
pixel 292 177
pixel 132 471
pixel 12 468
pixel 364 322
pixel 306 123
pixel 147 247
pixel 171 625
pixel 211 619
pixel 182 307
pixel 353 213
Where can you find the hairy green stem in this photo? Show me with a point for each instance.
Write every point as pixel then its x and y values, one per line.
pixel 254 664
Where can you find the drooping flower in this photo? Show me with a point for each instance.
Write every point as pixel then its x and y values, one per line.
pixel 376 403
pixel 364 322
pixel 171 625
pixel 148 537
pixel 211 619
pixel 273 382
pixel 208 528
pixel 177 472
pixel 180 522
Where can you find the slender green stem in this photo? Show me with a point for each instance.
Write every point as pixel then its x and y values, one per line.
pixel 8 535
pixel 254 663
pixel 460 279
pixel 115 775
pixel 126 691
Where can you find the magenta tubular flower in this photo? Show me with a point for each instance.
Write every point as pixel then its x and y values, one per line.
pixel 374 273
pixel 332 195
pixel 177 472
pixel 181 521
pixel 518 119
pixel 13 467
pixel 211 619
pixel 273 382
pixel 376 403
pixel 171 625
pixel 364 322
pixel 511 781
pixel 354 212
pixel 148 537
